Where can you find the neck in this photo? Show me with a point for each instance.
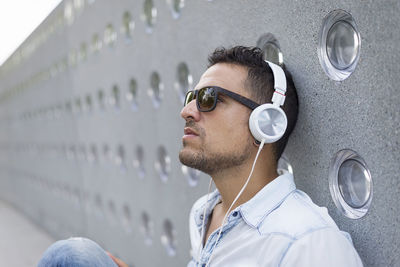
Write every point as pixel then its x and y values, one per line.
pixel 230 181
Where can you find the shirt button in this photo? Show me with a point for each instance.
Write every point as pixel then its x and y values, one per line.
pixel 201 217
pixel 235 213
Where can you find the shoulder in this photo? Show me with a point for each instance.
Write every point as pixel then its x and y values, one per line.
pixel 322 247
pixel 315 239
pixel 296 216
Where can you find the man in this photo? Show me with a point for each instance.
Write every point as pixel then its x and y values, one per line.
pixel 270 223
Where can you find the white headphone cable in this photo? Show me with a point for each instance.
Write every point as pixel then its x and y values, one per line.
pixel 238 195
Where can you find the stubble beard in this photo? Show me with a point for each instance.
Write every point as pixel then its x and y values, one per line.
pixel 213 162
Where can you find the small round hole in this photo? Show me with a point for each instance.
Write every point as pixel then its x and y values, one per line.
pixel 79 4
pixel 99 208
pixel 82 153
pixel 78 105
pixel 191 174
pixel 69 13
pixel 147 228
pixel 284 165
pixel 114 98
pixel 83 52
pixel 107 153
pixel 92 154
pixel 112 212
pixel 184 80
pixel 110 35
pixel 72 58
pixel 120 158
pixel 156 88
pixel 128 25
pixel 138 162
pixel 89 104
pixel 131 95
pixel 127 218
pixel 101 99
pixel 176 7
pixel 149 15
pixel 96 43
pixel 163 164
pixel 271 48
pixel 168 238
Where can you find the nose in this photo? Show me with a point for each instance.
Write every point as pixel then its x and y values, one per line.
pixel 190 111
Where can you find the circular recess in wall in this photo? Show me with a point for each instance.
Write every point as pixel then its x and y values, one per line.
pixel 168 238
pixel 176 7
pixel 88 103
pixel 112 215
pixel 59 110
pixel 131 95
pixel 101 99
pixel 128 25
pixel 78 106
pixel 68 107
pixel 110 35
pixel 138 161
pixel 271 48
pixel 120 158
pixel 146 228
pixel 350 184
pixel 69 12
pixel 71 152
pixel 191 174
pixel 96 43
pixel 284 165
pixel 107 153
pixel 149 15
pixel 339 45
pixel 114 98
pixel 163 164
pixel 127 218
pixel 82 52
pixel 82 153
pixel 184 80
pixel 72 58
pixel 156 89
pixel 79 5
pixel 92 155
pixel 98 206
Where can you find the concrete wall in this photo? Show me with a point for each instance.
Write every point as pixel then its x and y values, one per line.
pixel 54 161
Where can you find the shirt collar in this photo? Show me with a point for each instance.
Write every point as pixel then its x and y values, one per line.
pixel 260 205
pixel 267 199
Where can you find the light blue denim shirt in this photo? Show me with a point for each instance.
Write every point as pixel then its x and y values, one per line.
pixel 279 226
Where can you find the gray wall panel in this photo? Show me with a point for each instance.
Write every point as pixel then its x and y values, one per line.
pixel 58 190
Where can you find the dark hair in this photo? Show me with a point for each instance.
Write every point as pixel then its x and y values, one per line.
pixel 260 80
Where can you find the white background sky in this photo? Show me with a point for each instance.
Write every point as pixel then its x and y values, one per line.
pixel 18 19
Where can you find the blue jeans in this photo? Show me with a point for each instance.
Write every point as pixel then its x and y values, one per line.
pixel 75 252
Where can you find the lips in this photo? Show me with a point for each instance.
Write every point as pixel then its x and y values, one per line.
pixel 189 131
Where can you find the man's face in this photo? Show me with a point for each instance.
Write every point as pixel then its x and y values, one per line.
pixel 219 139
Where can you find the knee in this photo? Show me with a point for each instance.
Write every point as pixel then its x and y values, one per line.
pixel 77 252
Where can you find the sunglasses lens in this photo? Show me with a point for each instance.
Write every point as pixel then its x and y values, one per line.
pixel 207 97
pixel 189 97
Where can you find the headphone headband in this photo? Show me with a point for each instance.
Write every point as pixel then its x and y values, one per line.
pixel 278 98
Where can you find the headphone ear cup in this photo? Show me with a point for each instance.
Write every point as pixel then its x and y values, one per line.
pixel 268 122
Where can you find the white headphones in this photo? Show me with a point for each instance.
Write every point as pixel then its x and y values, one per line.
pixel 268 122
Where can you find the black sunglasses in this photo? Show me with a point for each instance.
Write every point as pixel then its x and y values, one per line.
pixel 206 98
